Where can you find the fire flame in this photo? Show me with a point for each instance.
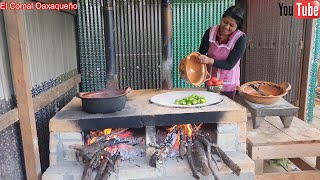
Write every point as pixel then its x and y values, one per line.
pixel 96 134
pixel 107 131
pixel 188 130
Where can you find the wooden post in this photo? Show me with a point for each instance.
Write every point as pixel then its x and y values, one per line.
pixel 18 53
pixel 306 66
pixel 167 48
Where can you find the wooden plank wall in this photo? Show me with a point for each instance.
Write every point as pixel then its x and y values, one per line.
pixel 42 47
pixel 6 89
pixel 51 43
pixel 15 27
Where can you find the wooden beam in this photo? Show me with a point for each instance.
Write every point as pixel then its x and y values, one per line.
pixel 273 151
pixel 8 118
pixel 299 175
pixel 52 94
pixel 305 69
pixel 41 100
pixel 69 11
pixel 17 45
pixel 301 164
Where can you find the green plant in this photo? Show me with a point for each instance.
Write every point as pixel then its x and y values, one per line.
pixel 280 162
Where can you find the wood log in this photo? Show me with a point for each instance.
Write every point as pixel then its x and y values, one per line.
pixel 182 145
pixel 208 154
pixel 190 159
pixel 196 129
pixel 117 166
pixel 200 159
pixel 104 138
pixel 117 162
pixel 232 165
pixel 101 169
pixel 133 141
pixel 87 172
pixel 161 153
pixel 88 151
pixel 107 172
pixel 111 166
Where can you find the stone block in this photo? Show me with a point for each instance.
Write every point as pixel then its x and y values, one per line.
pixel 227 128
pixel 227 141
pixel 71 171
pixel 54 139
pixel 242 147
pixel 53 160
pixel 73 136
pixel 242 132
pixel 68 154
pixel 59 146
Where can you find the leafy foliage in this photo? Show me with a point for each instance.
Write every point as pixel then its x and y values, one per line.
pixel 280 162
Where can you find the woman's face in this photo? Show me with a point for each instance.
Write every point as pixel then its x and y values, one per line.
pixel 228 25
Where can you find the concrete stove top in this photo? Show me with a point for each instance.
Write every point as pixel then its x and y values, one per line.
pixel 139 112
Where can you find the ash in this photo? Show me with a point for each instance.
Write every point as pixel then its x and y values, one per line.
pixel 129 151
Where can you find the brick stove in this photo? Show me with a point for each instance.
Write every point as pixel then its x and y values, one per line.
pixel 67 127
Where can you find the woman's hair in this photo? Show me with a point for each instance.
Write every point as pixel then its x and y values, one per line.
pixel 236 13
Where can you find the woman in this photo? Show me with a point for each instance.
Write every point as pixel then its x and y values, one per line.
pixel 222 46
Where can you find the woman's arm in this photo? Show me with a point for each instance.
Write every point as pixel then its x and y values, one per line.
pixel 204 46
pixel 234 56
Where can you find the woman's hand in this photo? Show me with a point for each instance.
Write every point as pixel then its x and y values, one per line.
pixel 203 59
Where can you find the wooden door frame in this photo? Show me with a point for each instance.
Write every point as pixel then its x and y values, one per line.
pixel 306 69
pixel 308 43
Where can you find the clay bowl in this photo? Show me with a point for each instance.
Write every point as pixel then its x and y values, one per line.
pixel 263 92
pixel 193 72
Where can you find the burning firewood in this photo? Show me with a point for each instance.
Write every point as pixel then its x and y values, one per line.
pixel 162 151
pixel 182 145
pixel 87 172
pixel 190 159
pixel 107 172
pixel 97 154
pixel 101 169
pixel 217 150
pixel 91 165
pixel 133 141
pixel 208 154
pixel 88 151
pixel 200 159
pixel 196 129
pixel 111 166
pixel 108 136
pixel 232 165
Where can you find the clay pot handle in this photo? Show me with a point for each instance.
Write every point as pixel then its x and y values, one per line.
pixel 128 89
pixel 79 94
pixel 239 89
pixel 208 76
pixel 286 86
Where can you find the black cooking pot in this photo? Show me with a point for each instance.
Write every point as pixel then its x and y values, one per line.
pixel 105 101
